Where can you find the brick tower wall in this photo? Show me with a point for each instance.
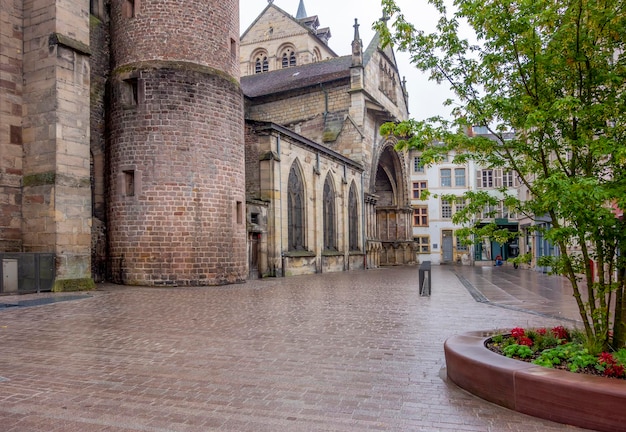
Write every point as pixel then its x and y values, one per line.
pixel 176 194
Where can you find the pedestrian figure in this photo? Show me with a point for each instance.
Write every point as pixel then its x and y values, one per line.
pixel 498 261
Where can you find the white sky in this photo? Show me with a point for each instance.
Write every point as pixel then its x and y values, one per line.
pixel 425 97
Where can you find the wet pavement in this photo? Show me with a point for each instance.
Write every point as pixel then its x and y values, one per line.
pixel 352 351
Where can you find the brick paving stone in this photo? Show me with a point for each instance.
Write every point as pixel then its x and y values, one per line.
pixel 353 351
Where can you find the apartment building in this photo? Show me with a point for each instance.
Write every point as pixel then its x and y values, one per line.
pixel 434 231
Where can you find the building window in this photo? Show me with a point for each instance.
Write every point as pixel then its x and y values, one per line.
pixel 239 209
pixel 446 209
pixel 446 177
pixel 130 92
pixel 459 204
pixel 420 216
pixel 418 166
pixel 353 219
pixel 459 177
pixel 289 58
pixel 295 209
pixel 508 179
pixel 233 48
pixel 418 189
pixel 485 178
pixel 261 64
pixel 460 247
pixel 423 244
pixel 329 216
pixel 129 8
pixel 129 183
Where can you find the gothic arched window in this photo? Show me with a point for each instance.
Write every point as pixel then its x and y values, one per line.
pixel 295 209
pixel 353 219
pixel 330 242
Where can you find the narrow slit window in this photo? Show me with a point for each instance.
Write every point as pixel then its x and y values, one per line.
pixel 239 212
pixel 129 183
pixel 129 8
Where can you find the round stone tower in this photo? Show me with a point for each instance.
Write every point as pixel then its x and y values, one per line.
pixel 176 193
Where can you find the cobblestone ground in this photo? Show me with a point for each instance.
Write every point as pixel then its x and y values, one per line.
pixel 354 351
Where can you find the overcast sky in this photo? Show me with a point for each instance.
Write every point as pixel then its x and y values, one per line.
pixel 425 97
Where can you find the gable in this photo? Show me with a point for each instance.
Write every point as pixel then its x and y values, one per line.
pixel 272 23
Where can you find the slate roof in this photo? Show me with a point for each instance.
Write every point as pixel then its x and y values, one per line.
pixel 281 80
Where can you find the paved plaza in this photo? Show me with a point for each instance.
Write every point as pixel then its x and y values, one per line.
pixel 353 351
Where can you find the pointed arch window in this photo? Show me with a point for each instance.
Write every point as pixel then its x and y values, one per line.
pixel 330 242
pixel 353 219
pixel 295 209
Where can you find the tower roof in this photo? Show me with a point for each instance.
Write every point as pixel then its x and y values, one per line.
pixel 301 11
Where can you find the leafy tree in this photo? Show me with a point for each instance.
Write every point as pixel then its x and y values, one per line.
pixel 554 72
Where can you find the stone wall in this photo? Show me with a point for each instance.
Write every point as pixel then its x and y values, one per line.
pixel 11 90
pixel 56 185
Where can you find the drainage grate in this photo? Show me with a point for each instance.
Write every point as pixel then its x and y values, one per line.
pixel 42 301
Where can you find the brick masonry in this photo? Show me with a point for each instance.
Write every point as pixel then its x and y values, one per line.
pixel 179 225
pixel 176 192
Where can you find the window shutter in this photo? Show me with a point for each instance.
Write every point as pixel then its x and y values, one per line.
pixel 479 179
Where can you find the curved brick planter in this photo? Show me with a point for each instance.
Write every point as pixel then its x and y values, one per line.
pixel 581 400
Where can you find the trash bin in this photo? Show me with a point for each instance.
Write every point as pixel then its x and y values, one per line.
pixel 425 279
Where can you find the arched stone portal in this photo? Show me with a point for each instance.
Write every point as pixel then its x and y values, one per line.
pixel 392 211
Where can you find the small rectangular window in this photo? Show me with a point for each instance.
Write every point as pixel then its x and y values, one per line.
pixel 130 92
pixel 254 218
pixel 459 177
pixel 420 216
pixel 418 189
pixel 239 212
pixel 485 178
pixel 423 244
pixel 418 166
pixel 446 177
pixel 128 8
pixel 129 183
pixel 446 209
pixel 233 48
pixel 459 245
pixel 508 179
pixel 459 204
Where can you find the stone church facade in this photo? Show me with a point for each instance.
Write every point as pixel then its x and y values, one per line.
pixel 130 157
pixel 325 191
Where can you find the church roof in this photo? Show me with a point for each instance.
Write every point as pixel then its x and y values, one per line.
pixel 297 77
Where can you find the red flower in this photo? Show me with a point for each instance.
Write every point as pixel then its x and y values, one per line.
pixel 560 332
pixel 518 332
pixel 525 340
pixel 542 331
pixel 614 371
pixel 606 359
